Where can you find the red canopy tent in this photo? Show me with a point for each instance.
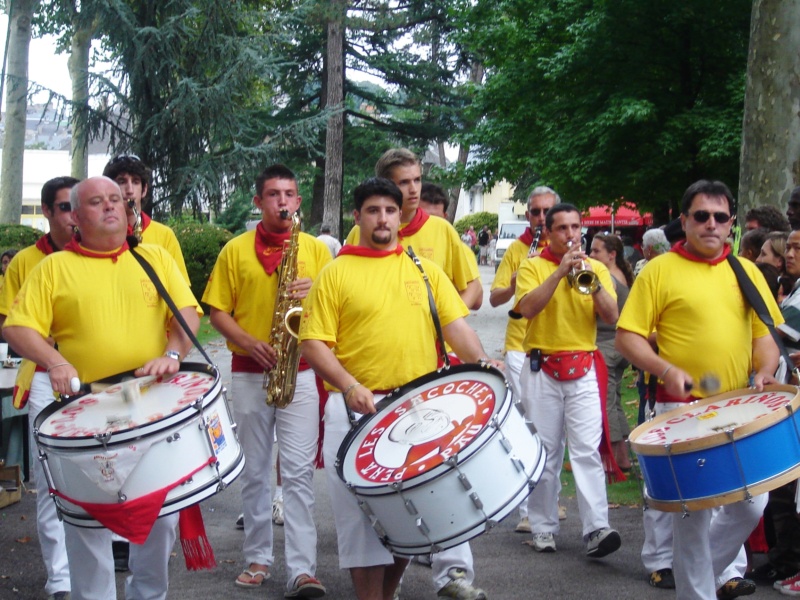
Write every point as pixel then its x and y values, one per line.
pixel 624 215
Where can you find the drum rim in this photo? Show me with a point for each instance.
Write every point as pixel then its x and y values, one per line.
pixel 124 436
pixel 401 391
pixel 716 439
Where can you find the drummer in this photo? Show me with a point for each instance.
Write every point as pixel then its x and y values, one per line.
pixel 367 328
pixel 691 298
pixel 32 388
pixel 102 329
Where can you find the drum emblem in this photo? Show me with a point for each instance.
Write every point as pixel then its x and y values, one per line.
pixel 425 430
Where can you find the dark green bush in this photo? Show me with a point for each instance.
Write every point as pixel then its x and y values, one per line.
pixel 477 220
pixel 201 243
pixel 17 237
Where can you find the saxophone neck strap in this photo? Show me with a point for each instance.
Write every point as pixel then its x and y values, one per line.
pixel 170 303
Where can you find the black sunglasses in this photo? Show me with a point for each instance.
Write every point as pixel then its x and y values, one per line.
pixel 122 157
pixel 701 216
pixel 64 206
pixel 537 211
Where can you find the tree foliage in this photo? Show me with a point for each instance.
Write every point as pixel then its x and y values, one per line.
pixel 604 100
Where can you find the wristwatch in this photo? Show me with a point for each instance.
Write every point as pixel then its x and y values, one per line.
pixel 172 354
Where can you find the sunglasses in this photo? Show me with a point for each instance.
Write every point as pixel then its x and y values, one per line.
pixel 701 216
pixel 64 206
pixel 124 157
pixel 537 211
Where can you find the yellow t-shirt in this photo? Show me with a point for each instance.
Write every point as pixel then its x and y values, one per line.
pixel 163 236
pixel 239 285
pixel 374 313
pixel 568 320
pixel 703 321
pixel 438 241
pixel 106 317
pixel 17 272
pixel 515 254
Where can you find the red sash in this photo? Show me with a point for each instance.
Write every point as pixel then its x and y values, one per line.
pixel 145 222
pixel 680 249
pixel 45 245
pixel 74 246
pixel 420 218
pixel 269 247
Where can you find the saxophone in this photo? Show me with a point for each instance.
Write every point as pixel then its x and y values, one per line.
pixel 137 227
pixel 280 381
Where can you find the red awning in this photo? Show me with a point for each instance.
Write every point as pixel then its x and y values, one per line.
pixel 626 216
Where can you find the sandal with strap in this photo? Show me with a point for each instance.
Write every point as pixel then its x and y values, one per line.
pixel 306 586
pixel 257 578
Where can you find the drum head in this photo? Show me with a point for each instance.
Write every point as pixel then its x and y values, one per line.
pixel 126 410
pixel 704 423
pixel 422 424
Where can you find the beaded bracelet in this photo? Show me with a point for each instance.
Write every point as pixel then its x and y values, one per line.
pixel 664 374
pixel 64 364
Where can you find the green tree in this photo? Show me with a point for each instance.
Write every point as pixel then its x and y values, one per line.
pixel 607 100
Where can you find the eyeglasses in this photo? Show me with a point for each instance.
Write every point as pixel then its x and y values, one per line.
pixel 537 211
pixel 64 206
pixel 701 216
pixel 123 157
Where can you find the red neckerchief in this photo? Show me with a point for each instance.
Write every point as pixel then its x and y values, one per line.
pixel 680 249
pixel 420 218
pixel 45 245
pixel 145 221
pixel 527 239
pixel 74 246
pixel 547 254
pixel 269 247
pixel 368 252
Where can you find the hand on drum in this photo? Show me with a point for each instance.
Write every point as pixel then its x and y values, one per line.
pixel 61 378
pixel 677 382
pixel 163 365
pixel 497 364
pixel 762 379
pixel 361 400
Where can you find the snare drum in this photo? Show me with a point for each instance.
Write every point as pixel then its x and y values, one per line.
pixel 445 458
pixel 136 439
pixel 720 450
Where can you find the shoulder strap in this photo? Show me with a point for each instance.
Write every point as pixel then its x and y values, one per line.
pixel 434 312
pixel 162 291
pixel 760 307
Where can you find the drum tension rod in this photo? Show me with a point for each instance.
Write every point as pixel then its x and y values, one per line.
pixel 684 508
pixel 747 495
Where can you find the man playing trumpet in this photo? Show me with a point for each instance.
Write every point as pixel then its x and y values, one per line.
pixel 559 380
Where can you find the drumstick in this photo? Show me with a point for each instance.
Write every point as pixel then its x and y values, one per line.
pixel 708 384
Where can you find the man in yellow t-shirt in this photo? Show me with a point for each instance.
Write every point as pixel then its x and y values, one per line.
pixel 367 328
pixel 32 387
pixel 133 178
pixel 691 298
pixel 559 380
pixel 241 292
pixel 100 307
pixel 435 239
pixel 540 200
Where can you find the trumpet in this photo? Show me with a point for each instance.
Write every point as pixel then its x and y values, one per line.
pixel 512 314
pixel 582 279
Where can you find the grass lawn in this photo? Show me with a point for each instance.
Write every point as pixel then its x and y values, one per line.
pixel 206 333
pixel 625 493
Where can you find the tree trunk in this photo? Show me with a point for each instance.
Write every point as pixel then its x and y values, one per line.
pixel 334 137
pixel 475 78
pixel 770 159
pixel 16 108
pixel 78 65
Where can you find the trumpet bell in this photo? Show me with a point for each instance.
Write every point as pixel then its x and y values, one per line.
pixel 584 282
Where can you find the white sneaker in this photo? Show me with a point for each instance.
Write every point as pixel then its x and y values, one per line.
pixel 277 511
pixel 544 542
pixel 603 542
pixel 459 588
pixel 524 526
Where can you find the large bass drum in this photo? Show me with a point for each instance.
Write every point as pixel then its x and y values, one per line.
pixel 721 449
pixel 444 459
pixel 138 439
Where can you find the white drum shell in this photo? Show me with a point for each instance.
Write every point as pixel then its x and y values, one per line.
pixel 183 445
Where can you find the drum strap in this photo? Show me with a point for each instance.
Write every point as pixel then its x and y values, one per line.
pixel 757 302
pixel 434 313
pixel 162 291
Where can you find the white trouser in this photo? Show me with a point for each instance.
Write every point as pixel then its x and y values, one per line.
pixel 514 361
pixel 92 564
pixel 358 543
pixel 704 549
pixel 571 408
pixel 456 557
pixel 297 429
pixel 48 526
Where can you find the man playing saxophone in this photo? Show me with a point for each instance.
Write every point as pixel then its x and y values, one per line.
pixel 241 294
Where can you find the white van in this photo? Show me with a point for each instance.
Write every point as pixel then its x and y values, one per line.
pixel 509 231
